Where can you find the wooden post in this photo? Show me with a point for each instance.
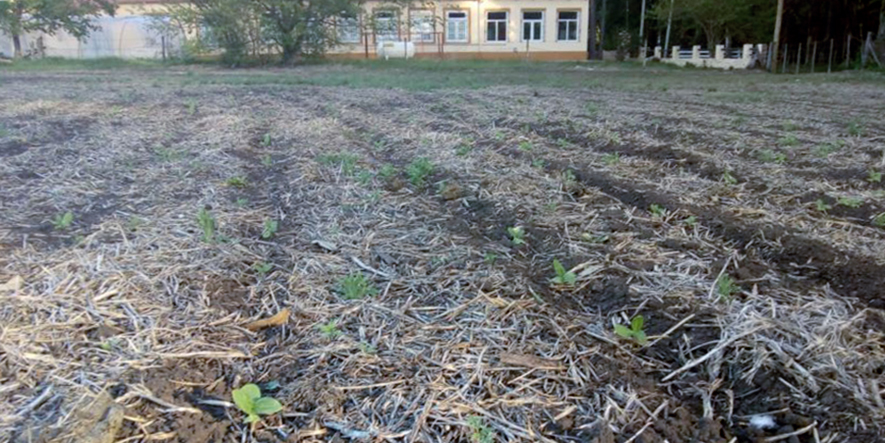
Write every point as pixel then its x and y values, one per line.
pixel 777 33
pixel 848 53
pixel 813 57
pixel 798 58
pixel 830 63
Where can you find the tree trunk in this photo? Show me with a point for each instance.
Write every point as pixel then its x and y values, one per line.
pixel 591 40
pixel 777 34
pixel 17 45
pixel 881 35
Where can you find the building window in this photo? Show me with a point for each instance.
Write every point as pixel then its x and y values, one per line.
pixel 386 26
pixel 568 26
pixel 422 25
pixel 348 30
pixel 496 27
pixel 456 26
pixel 532 26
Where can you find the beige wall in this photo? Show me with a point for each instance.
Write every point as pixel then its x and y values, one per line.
pixel 478 45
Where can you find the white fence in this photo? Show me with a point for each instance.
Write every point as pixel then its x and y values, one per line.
pixel 124 37
pixel 743 58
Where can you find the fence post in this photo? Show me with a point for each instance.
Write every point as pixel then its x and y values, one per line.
pixel 696 52
pixel 720 52
pixel 786 56
pixel 798 58
pixel 813 57
pixel 830 62
pixel 658 53
pixel 674 53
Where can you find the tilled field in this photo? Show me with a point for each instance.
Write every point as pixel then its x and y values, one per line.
pixel 740 215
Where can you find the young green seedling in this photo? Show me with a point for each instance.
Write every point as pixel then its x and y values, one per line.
pixel 418 171
pixel 356 286
pixel 879 220
pixel 207 223
pixel 850 202
pixel 636 330
pixel 330 329
pixel 249 400
pixel 728 178
pixel 270 228
pixel 657 210
pixel 726 287
pixel 874 176
pixel 517 235
pixel 480 432
pixel 63 221
pixel 563 277
pixel 236 182
pixel 822 206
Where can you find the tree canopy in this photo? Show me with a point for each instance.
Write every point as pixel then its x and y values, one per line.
pixel 75 17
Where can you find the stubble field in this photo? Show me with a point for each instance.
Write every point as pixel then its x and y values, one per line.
pixel 397 225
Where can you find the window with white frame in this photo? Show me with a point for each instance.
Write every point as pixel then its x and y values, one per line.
pixel 456 27
pixel 386 26
pixel 421 21
pixel 496 26
pixel 348 30
pixel 533 26
pixel 568 26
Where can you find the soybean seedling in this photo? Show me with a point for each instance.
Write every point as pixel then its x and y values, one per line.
pixel 330 329
pixel 611 158
pixel 262 268
pixel 879 220
pixel 63 221
pixel 726 287
pixel 728 178
pixel 236 182
pixel 356 286
pixel 850 202
pixel 657 210
pixel 249 400
pixel 270 228
pixel 563 277
pixel 874 176
pixel 480 432
pixel 636 330
pixel 517 235
pixel 418 171
pixel 822 206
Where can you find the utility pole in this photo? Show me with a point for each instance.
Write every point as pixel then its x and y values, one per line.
pixel 777 31
pixel 669 26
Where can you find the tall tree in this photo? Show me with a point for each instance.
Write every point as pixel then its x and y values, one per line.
pixel 717 19
pixel 76 17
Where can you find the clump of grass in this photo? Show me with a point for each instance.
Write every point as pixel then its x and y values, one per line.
pixel 728 178
pixel 330 329
pixel 63 221
pixel 850 202
pixel 356 286
pixel 207 224
pixel 789 140
pixel 480 433
pixel 387 171
pixel 563 277
pixel 418 171
pixel 636 331
pixel 517 235
pixel 236 182
pixel 345 160
pixel 726 287
pixel 611 158
pixel 270 228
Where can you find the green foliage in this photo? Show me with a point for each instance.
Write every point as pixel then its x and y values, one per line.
pixel 728 178
pixel 517 235
pixel 249 400
pixel 691 221
pixel 207 224
pixel 270 228
pixel 850 202
pixel 266 140
pixel 874 176
pixel 746 20
pixel 490 258
pixel 538 163
pixel 242 202
pixel 525 146
pixel 822 206
pixel 636 330
pixel 657 210
pixel 480 432
pixel 63 221
pixel 563 277
pixel 611 158
pixel 236 182
pixel 789 140
pixel 356 286
pixel 387 171
pixel 191 107
pixel 879 220
pixel 330 329
pixel 418 171
pixel 76 17
pixel 262 268
pixel 826 149
pixel 855 129
pixel 267 160
pixel 463 150
pixel 364 177
pixel 345 160
pixel 367 348
pixel 726 287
